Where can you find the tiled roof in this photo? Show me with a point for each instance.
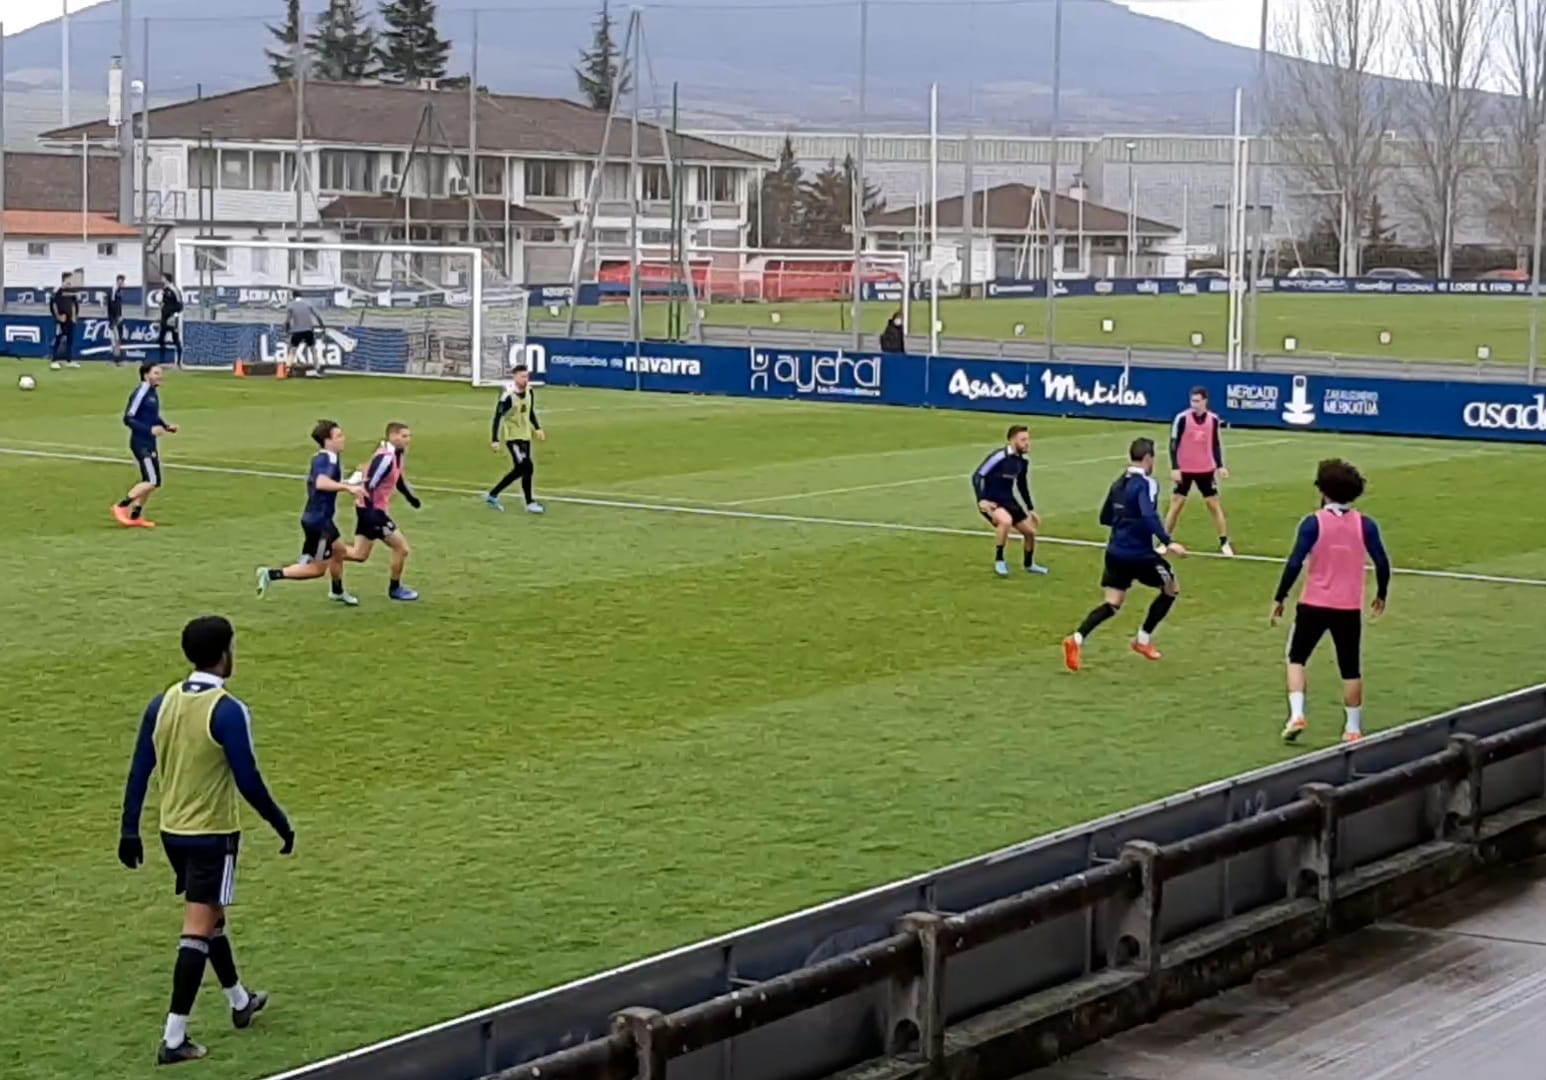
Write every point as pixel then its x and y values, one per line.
pixel 1007 208
pixel 64 223
pixel 375 114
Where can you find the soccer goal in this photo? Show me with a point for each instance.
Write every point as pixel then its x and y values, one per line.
pixel 388 309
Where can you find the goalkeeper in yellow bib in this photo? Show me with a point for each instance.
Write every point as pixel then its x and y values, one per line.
pixel 515 426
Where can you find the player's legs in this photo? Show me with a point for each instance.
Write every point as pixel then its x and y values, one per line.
pixel 1115 580
pixel 1303 636
pixel 398 544
pixel 1026 527
pixel 1163 578
pixel 1347 637
pixel 1002 521
pixel 1208 488
pixel 131 508
pixel 321 555
pixel 1178 496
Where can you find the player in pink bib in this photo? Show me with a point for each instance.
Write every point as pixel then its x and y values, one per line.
pixel 384 478
pixel 1197 461
pixel 1336 543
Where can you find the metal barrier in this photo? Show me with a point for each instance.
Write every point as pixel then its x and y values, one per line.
pixel 1293 853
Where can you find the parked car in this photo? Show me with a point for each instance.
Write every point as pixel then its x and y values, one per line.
pixel 1393 273
pixel 1310 272
pixel 1506 274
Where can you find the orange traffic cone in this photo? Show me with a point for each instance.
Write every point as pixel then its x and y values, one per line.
pixel 240 371
pixel 282 371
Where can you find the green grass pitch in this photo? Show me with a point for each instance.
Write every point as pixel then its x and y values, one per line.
pixel 614 730
pixel 1449 328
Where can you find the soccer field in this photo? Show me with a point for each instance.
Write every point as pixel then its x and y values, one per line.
pixel 1448 328
pixel 753 657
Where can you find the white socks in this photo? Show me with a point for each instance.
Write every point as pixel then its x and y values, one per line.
pixel 1144 637
pixel 237 995
pixel 1354 720
pixel 176 1030
pixel 1295 704
pixel 1078 638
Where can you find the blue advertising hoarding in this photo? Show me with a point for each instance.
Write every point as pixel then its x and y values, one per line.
pixel 1410 407
pixel 32 336
pixel 1026 289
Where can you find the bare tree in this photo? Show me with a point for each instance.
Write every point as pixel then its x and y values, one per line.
pixel 1521 72
pixel 1329 111
pixel 1447 43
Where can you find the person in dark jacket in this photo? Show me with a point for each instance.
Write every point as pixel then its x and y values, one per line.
pixel 891 338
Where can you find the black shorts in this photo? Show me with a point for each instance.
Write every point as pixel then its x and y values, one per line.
pixel 204 866
pixel 317 542
pixel 373 524
pixel 520 451
pixel 307 338
pixel 1206 483
pixel 149 462
pixel 1017 513
pixel 1120 574
pixel 1346 630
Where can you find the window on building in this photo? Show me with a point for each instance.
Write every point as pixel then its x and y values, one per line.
pixel 654 183
pixel 211 259
pixel 654 236
pixel 614 183
pixel 547 179
pixel 722 185
pixel 37 250
pixel 271 170
pixel 107 251
pixel 236 170
pixel 260 261
pixel 347 170
pixel 612 237
pixel 491 176
pixel 202 171
pixel 540 235
pixel 310 261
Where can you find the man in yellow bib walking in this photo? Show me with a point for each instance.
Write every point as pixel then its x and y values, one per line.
pixel 199 737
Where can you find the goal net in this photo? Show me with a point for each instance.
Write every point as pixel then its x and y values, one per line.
pixel 386 309
pixel 753 275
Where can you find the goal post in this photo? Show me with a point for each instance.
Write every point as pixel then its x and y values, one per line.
pixel 388 309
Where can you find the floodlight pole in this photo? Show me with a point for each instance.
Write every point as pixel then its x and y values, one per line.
pixel 1052 194
pixel 1253 296
pixel 1535 269
pixel 856 182
pixel 933 221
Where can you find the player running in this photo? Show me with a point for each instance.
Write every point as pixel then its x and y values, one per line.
pixel 515 425
pixel 383 478
pixel 1197 460
pixel 996 481
pixel 1131 514
pixel 143 419
pixel 1336 540
pixel 321 553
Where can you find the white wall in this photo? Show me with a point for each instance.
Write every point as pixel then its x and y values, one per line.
pixel 24 270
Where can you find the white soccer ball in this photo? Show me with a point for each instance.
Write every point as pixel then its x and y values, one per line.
pixel 27 382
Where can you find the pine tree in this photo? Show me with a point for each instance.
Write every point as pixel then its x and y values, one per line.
pixel 343 47
pixel 826 206
pixel 411 47
pixel 599 67
pixel 281 60
pixel 778 224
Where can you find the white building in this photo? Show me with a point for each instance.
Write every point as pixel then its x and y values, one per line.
pixel 386 163
pixel 41 245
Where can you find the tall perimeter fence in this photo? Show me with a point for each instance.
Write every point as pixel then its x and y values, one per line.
pixel 1100 145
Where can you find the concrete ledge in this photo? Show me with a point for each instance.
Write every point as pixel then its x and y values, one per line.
pixel 1039 1029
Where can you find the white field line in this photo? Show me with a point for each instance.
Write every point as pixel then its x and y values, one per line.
pixel 751 515
pixel 619 408
pixel 1057 466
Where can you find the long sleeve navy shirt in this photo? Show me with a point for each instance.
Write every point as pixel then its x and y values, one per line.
pixel 1305 540
pixel 142 416
pixel 230 725
pixel 1001 474
pixel 1131 512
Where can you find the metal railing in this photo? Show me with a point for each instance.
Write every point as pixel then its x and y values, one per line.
pixel 1123 898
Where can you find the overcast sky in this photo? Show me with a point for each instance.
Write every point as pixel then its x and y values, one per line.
pixel 1230 20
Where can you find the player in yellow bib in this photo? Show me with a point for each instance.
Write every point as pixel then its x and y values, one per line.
pixel 198 736
pixel 515 426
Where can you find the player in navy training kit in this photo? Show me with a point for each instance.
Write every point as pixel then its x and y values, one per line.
pixel 1132 514
pixel 143 419
pixel 1002 475
pixel 321 553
